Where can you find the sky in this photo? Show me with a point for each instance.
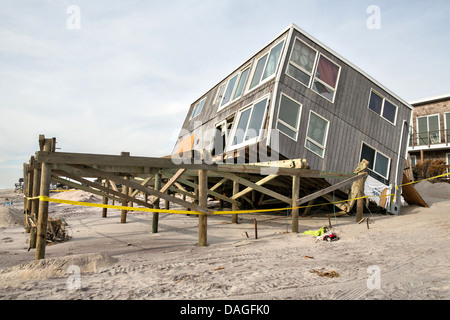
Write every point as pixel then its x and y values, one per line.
pixel 106 76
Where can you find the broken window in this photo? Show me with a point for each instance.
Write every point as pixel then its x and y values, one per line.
pixel 288 117
pixel 316 135
pixel 221 135
pixel 198 108
pixel 378 162
pixel 382 107
pixel 250 122
pixel 325 78
pixel 219 93
pixel 267 65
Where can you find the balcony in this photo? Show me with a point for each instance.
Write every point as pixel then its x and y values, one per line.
pixel 438 139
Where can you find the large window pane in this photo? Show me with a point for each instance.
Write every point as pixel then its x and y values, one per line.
pixel 288 131
pixel 375 102
pixel 389 111
pixel 274 57
pixel 289 112
pixel 241 127
pixel 241 83
pixel 447 122
pixel 298 74
pixel 259 70
pixel 433 128
pixel 422 126
pixel 256 119
pixel 381 165
pixel 327 72
pixel 303 56
pixel 317 129
pixel 229 91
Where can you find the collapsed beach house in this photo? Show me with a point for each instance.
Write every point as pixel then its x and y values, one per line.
pixel 298 99
pixel 294 126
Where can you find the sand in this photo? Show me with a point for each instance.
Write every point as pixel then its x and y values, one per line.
pixel 398 257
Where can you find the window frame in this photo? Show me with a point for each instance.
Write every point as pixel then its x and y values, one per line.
pixel 286 124
pixel 219 93
pixel 311 140
pixel 428 128
pixel 383 98
pixel 415 160
pixel 375 159
pixel 322 82
pixel 195 108
pixel 230 146
pixel 311 75
pixel 447 129
pixel 236 84
pixel 255 64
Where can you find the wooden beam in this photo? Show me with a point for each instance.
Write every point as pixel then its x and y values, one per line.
pixel 261 189
pixel 144 189
pixel 259 183
pixel 169 183
pixel 115 192
pixel 234 217
pixel 330 188
pixel 218 184
pixel 209 191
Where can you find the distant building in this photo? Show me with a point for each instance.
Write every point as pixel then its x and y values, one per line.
pixel 430 130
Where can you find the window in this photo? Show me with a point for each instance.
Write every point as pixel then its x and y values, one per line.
pixel 219 94
pixel 378 163
pixel 316 134
pixel 198 108
pixel 382 107
pixel 304 65
pixel 250 122
pixel 221 135
pixel 288 117
pixel 301 62
pixel 235 87
pixel 428 130
pixel 267 65
pixel 325 78
pixel 448 162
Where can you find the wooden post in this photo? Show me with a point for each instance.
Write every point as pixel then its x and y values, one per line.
pixel 105 201
pixel 295 195
pixel 123 213
pixel 35 206
pixel 46 173
pixel 202 201
pixel 234 207
pixel 156 204
pixel 359 209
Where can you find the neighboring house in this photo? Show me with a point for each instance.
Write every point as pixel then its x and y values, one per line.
pixel 430 131
pixel 300 98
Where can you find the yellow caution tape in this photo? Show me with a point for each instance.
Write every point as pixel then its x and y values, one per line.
pixel 98 205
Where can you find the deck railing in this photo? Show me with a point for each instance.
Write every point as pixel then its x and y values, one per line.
pixel 429 138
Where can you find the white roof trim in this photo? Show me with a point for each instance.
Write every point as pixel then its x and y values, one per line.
pixel 430 99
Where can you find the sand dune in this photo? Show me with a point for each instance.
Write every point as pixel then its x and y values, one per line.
pixel 399 257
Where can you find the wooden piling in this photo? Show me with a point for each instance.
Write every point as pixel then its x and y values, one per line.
pixel 123 213
pixel 202 201
pixel 35 206
pixel 105 201
pixel 234 207
pixel 295 195
pixel 156 204
pixel 46 172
